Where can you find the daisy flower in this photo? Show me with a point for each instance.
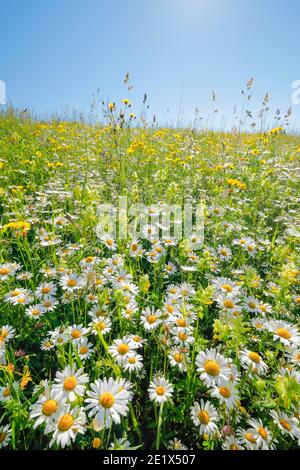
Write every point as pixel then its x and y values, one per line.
pixel 107 401
pixel 6 392
pixel 108 242
pixel 48 289
pixel 121 349
pixel 226 286
pixel 46 408
pixel 138 340
pixel 232 443
pixel 100 325
pixel 134 362
pixel 35 311
pixel 85 349
pixel 288 425
pixel 224 252
pixel 7 270
pixel 150 318
pixel 67 425
pixel 72 282
pixel 229 304
pixel 77 332
pixel 264 438
pixel 226 392
pixel 7 332
pixel 49 303
pixel 182 336
pixel 5 433
pixel 212 366
pixel 284 332
pixel 47 344
pixel 160 390
pixel 205 416
pixel 253 361
pixel 176 444
pixel 248 437
pixel 178 359
pixel 251 305
pixel 70 383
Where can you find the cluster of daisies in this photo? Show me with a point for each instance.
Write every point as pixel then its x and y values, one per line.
pixel 105 296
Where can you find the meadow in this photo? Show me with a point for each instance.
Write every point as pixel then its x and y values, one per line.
pixel 149 343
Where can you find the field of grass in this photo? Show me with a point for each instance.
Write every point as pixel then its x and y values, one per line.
pixel 148 344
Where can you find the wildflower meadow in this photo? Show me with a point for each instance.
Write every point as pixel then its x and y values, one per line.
pixel 148 340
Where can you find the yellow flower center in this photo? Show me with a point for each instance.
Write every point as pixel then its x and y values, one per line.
pixel 35 312
pixel 225 392
pixel 283 333
pixel 45 290
pixel 251 305
pixel 47 304
pixel 228 303
pixel 72 283
pixel 65 422
pixel 212 368
pixel 100 326
pixel 170 309
pixel 83 350
pixel 15 292
pixel 4 271
pixel 181 322
pixel 178 357
pixel 136 339
pixel 203 417
pixel 89 259
pixel 250 437
pixel 233 447
pixel 49 407
pixel 107 400
pixel 254 357
pixel 131 360
pixel 6 392
pixel 227 287
pixel 182 336
pixel 160 390
pixel 263 433
pixel 123 348
pixel 70 383
pixel 151 319
pixel 285 424
pixel 76 334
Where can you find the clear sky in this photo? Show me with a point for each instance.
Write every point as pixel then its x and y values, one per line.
pixel 56 53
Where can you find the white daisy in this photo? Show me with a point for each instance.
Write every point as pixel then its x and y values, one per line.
pixel 253 361
pixel 205 416
pixel 121 349
pixel 212 366
pixel 226 392
pixel 107 401
pixel 69 422
pixel 85 349
pixel 46 408
pixel 70 383
pixel 150 318
pixel 284 332
pixel 5 434
pixel 160 390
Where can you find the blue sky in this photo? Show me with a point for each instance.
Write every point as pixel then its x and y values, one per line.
pixel 56 53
